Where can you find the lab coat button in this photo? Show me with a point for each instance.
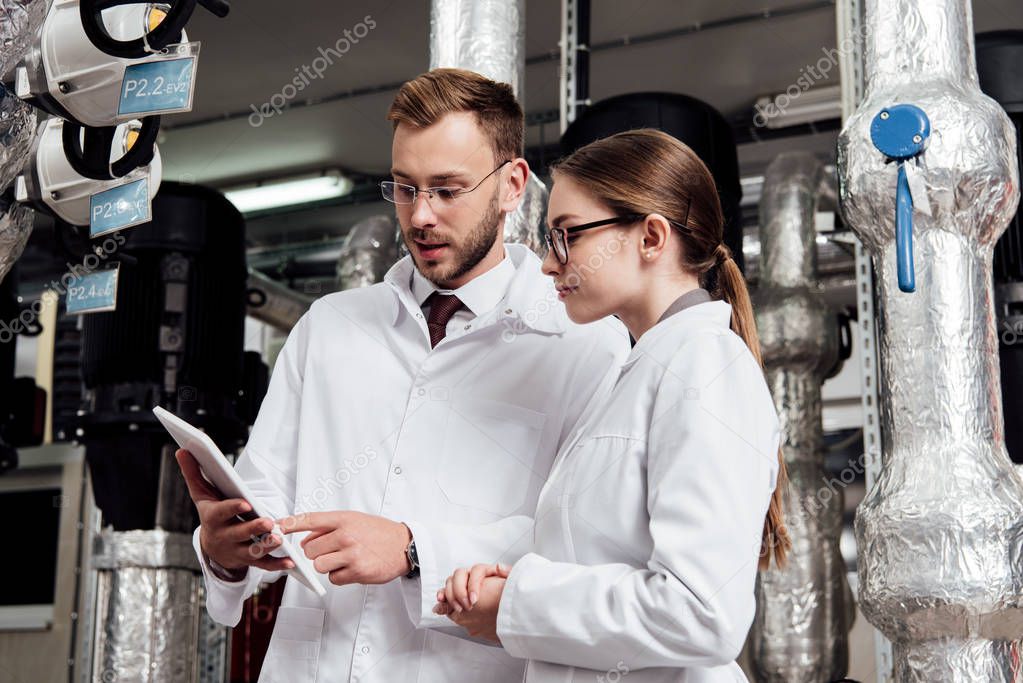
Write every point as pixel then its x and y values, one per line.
pixel 397 470
pixel 422 392
pixel 365 649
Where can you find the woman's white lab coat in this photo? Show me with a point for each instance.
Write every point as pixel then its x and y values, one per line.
pixel 647 532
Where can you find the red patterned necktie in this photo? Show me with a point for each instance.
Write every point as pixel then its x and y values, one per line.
pixel 442 307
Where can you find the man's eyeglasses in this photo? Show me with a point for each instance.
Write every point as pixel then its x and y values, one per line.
pixel 400 193
pixel 557 238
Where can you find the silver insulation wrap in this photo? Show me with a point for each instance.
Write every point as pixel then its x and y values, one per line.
pixel 19 22
pixel 17 132
pixel 804 611
pixel 152 549
pixel 274 303
pixel 940 534
pixel 526 224
pixel 15 228
pixel 488 36
pixel 369 250
pixel 148 604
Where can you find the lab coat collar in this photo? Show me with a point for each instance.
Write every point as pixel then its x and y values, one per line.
pixel 531 299
pixel 701 316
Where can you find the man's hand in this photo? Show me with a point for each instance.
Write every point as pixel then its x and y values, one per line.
pixel 352 547
pixel 230 542
pixel 481 620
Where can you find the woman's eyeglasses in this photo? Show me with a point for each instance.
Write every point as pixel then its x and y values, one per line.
pixel 557 238
pixel 400 193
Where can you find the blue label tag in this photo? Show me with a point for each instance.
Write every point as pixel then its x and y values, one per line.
pixel 93 292
pixel 164 86
pixel 119 207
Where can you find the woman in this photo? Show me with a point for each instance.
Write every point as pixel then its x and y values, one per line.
pixel 657 513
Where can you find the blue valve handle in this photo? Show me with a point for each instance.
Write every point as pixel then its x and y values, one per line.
pixel 904 233
pixel 900 133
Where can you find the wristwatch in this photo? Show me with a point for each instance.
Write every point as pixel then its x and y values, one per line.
pixel 413 560
pixel 222 572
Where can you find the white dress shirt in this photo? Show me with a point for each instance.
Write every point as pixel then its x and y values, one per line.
pixel 648 529
pixel 478 295
pixel 455 441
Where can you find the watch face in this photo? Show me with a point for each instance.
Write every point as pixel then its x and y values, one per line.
pixel 413 559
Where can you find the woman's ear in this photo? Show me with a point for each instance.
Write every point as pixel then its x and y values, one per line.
pixel 516 177
pixel 654 236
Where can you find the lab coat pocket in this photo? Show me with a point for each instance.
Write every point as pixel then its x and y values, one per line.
pixel 454 659
pixel 490 460
pixel 294 647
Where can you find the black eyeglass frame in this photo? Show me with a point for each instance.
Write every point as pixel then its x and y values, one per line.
pixel 431 191
pixel 561 234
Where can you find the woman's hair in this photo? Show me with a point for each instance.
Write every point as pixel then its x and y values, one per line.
pixel 647 171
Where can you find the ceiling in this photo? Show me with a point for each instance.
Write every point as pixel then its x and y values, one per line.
pixel 725 52
pixel 250 55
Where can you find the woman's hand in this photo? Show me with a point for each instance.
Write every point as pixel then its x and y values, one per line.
pixel 471 598
pixel 462 589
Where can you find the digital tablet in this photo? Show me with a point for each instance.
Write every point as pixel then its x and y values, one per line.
pixel 222 475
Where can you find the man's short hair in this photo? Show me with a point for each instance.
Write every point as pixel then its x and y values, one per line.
pixel 422 102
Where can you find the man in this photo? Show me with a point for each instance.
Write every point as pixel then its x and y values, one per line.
pixel 409 425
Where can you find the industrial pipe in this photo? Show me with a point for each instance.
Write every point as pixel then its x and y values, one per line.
pixel 804 611
pixel 940 534
pixel 488 36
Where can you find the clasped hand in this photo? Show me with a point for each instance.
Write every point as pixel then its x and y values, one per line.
pixel 471 598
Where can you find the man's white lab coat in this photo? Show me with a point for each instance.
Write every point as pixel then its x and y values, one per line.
pixel 648 530
pixel 455 441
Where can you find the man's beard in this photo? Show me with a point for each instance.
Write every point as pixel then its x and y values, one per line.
pixel 466 256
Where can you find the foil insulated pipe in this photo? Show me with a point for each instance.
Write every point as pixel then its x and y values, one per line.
pixel 19 22
pixel 273 303
pixel 148 607
pixel 941 532
pixel 485 36
pixel 15 227
pixel 488 37
pixel 526 225
pixel 804 611
pixel 369 250
pixel 17 132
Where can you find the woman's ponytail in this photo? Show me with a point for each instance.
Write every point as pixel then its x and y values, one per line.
pixel 731 287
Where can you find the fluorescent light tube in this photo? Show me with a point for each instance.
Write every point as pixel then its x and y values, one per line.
pixel 802 106
pixel 289 191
